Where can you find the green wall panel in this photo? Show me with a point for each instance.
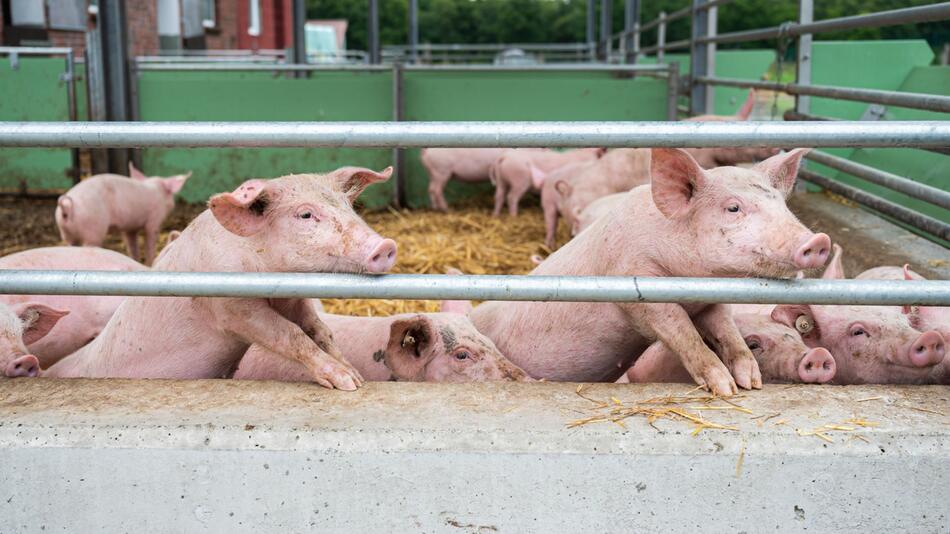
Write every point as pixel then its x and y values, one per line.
pixel 34 92
pixel 262 96
pixel 529 96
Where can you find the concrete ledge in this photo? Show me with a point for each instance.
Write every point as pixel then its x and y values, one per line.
pixel 227 456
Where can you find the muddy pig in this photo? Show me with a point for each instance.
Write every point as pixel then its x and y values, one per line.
pixel 513 177
pixel 689 222
pixel 88 313
pixel 298 223
pixel 109 202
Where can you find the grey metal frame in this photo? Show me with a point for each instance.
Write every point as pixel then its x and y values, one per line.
pixel 484 287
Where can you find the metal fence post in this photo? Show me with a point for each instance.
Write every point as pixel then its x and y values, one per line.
pixel 413 30
pixel 631 30
pixel 697 58
pixel 661 38
pixel 672 91
pixel 712 25
pixel 112 26
pixel 399 179
pixel 70 76
pixel 606 27
pixel 372 36
pixel 591 23
pixel 299 39
pixel 806 14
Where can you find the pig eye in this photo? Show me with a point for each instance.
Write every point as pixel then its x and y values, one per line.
pixel 306 215
pixel 461 355
pixel 858 331
pixel 733 208
pixel 753 345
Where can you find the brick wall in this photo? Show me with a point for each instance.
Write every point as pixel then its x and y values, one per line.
pixel 225 36
pixel 275 25
pixel 74 39
pixel 141 16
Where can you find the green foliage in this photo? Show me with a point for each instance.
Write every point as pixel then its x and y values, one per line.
pixel 552 21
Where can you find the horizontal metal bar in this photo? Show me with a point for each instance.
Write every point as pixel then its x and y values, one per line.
pixel 894 17
pixel 486 287
pixel 207 59
pixel 792 115
pixel 923 101
pixel 581 67
pixel 902 214
pixel 34 50
pixel 255 67
pixel 224 52
pixel 474 134
pixel 933 195
pixel 672 45
pixel 489 47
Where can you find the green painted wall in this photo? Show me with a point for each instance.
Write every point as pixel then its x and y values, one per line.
pixel 260 96
pixel 34 92
pixel 529 96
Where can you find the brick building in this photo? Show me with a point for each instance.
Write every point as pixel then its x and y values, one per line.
pixel 154 25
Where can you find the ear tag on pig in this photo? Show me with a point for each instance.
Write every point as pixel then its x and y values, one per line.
pixel 410 340
pixel 803 325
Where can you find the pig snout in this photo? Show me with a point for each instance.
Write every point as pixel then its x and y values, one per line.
pixel 817 367
pixel 813 252
pixel 27 365
pixel 927 350
pixel 381 257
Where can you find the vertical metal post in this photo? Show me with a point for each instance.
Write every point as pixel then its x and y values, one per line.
pixel 806 15
pixel 116 72
pixel 697 58
pixel 712 27
pixel 672 91
pixel 631 29
pixel 661 38
pixel 399 156
pixel 95 84
pixel 300 41
pixel 372 36
pixel 413 30
pixel 606 27
pixel 70 77
pixel 591 23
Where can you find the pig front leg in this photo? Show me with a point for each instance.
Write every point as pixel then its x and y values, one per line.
pixel 671 324
pixel 131 239
pixel 254 322
pixel 717 325
pixel 302 313
pixel 151 243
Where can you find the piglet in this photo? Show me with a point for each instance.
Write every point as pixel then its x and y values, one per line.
pixel 779 350
pixel 922 318
pixel 689 222
pixel 431 347
pixel 21 325
pixel 463 164
pixel 300 223
pixel 88 313
pixel 99 204
pixel 513 175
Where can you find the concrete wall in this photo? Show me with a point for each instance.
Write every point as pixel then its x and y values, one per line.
pixel 225 456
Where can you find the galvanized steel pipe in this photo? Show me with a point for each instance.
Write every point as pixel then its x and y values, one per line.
pixel 474 134
pixel 486 287
pixel 889 98
pixel 937 197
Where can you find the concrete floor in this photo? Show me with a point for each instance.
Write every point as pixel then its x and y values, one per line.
pixel 229 456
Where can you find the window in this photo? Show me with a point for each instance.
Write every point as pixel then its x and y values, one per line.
pixel 67 15
pixel 254 24
pixel 209 19
pixel 28 13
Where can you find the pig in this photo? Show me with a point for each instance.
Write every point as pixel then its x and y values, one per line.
pixel 745 111
pixel 921 317
pixel 712 157
pixel 870 344
pixel 106 202
pixel 20 325
pixel 513 176
pixel 724 222
pixel 595 210
pixel 568 191
pixel 431 347
pixel 779 351
pixel 298 223
pixel 89 313
pixel 464 164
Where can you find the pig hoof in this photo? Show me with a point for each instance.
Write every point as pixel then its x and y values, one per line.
pixel 720 383
pixel 746 373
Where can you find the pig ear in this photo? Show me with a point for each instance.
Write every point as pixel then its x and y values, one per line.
pixel 244 211
pixel 797 316
pixel 537 176
pixel 563 188
pixel 456 306
pixel 37 319
pixel 353 180
pixel 135 173
pixel 174 184
pixel 835 269
pixel 675 178
pixel 410 347
pixel 746 110
pixel 782 169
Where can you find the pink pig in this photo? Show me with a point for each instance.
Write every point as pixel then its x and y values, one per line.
pixel 922 318
pixel 724 222
pixel 20 325
pixel 431 347
pixel 299 223
pixel 745 111
pixel 109 202
pixel 779 350
pixel 870 344
pixel 568 191
pixel 463 164
pixel 88 313
pixel 513 176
